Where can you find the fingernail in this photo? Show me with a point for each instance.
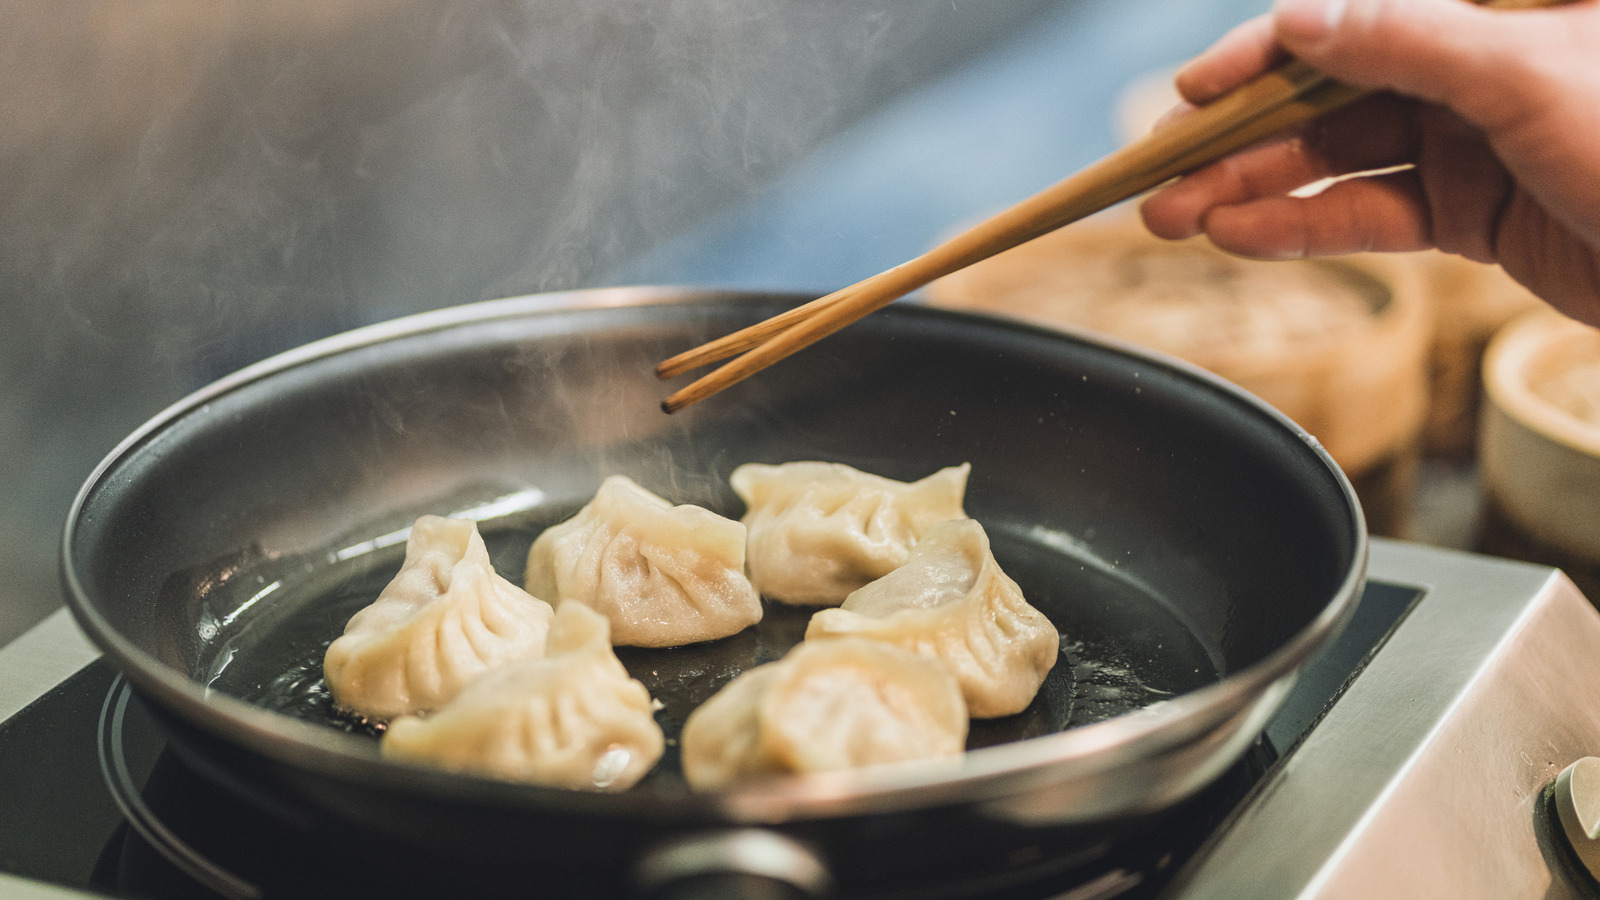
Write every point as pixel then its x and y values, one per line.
pixel 1310 21
pixel 1172 115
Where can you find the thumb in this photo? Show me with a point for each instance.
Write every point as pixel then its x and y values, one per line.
pixel 1488 65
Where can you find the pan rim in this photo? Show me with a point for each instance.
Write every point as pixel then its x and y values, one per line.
pixel 989 773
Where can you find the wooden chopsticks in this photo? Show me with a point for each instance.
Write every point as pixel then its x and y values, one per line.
pixel 1287 96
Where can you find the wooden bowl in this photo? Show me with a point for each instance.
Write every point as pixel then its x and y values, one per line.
pixel 1539 452
pixel 1471 301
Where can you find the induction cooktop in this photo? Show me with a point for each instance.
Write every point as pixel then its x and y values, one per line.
pixel 1416 756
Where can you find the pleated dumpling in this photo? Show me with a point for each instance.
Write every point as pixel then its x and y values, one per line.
pixel 820 530
pixel 445 619
pixel 825 707
pixel 573 718
pixel 951 602
pixel 663 575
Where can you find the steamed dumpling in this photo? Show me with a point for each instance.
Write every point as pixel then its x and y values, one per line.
pixel 663 575
pixel 572 719
pixel 951 602
pixel 825 707
pixel 445 619
pixel 820 530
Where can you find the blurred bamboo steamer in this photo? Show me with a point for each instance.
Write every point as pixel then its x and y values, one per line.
pixel 1539 450
pixel 1471 302
pixel 1340 346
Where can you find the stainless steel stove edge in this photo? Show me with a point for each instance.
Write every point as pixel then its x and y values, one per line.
pixel 1423 778
pixel 30 667
pixel 41 658
pixel 14 888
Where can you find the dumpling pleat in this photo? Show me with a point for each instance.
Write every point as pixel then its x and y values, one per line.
pixel 573 718
pixel 444 620
pixel 999 646
pixel 821 530
pixel 825 706
pixel 662 575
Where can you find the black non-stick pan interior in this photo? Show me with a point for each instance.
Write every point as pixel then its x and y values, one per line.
pixel 1174 532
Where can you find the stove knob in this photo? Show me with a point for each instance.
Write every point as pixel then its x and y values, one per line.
pixel 1577 802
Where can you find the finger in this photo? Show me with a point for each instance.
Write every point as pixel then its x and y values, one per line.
pixel 1241 54
pixel 1376 134
pixel 1483 71
pixel 1179 210
pixel 1527 78
pixel 1382 213
pixel 1550 260
pixel 1172 115
pixel 1465 183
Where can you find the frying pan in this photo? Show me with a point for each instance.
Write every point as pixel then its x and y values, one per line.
pixel 1193 545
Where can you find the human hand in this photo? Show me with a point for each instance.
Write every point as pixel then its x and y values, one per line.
pixel 1497 112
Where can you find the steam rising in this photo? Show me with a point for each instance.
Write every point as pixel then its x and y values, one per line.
pixel 191 185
